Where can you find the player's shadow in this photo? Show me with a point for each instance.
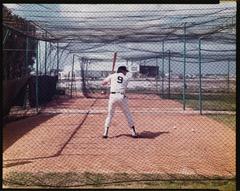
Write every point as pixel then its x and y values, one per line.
pixel 145 134
pixel 151 135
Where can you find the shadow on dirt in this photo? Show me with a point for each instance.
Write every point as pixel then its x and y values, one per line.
pixel 144 135
pixel 12 132
pixel 151 135
pixel 16 164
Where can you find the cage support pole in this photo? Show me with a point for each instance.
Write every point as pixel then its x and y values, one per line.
pixel 45 63
pixel 157 72
pixel 5 76
pixel 72 75
pixel 86 68
pixel 184 69
pixel 228 81
pixel 57 58
pixel 163 68
pixel 40 61
pixel 200 76
pixel 6 36
pixel 25 67
pixel 51 58
pixel 36 82
pixel 26 54
pixel 169 73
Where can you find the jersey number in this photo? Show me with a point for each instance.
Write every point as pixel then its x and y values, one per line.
pixel 120 79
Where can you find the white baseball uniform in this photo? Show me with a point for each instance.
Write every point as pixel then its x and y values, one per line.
pixel 117 97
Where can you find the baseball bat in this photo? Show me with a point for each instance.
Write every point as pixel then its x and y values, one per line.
pixel 114 61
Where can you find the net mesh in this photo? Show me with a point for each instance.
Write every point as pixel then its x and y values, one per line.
pixel 182 92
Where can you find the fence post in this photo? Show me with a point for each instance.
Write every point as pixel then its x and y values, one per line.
pixel 200 77
pixel 4 65
pixel 26 66
pixel 228 81
pixel 36 87
pixel 40 60
pixel 6 36
pixel 169 73
pixel 57 58
pixel 50 57
pixel 26 54
pixel 72 75
pixel 157 75
pixel 45 63
pixel 163 68
pixel 184 69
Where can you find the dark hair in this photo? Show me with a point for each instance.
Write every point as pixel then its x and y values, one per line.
pixel 122 69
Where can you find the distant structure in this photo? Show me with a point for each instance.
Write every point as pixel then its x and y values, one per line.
pixel 149 71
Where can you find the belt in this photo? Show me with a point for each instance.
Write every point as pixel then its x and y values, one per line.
pixel 117 93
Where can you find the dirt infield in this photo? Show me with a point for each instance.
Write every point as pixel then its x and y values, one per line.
pixel 67 137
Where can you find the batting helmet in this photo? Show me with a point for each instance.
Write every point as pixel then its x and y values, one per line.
pixel 122 69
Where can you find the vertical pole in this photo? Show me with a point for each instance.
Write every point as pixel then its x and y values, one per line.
pixel 4 65
pixel 37 59
pixel 162 67
pixel 72 75
pixel 200 78
pixel 45 64
pixel 129 65
pixel 50 57
pixel 25 67
pixel 157 72
pixel 184 69
pixel 57 58
pixel 158 76
pixel 6 36
pixel 40 61
pixel 82 76
pixel 169 71
pixel 86 68
pixel 26 54
pixel 228 81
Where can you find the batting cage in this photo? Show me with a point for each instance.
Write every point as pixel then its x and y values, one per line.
pixel 175 120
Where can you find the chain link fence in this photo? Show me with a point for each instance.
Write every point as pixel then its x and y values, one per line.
pixel 182 93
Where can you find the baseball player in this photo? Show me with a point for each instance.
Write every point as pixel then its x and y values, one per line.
pixel 118 84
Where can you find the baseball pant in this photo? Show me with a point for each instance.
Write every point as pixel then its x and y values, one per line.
pixel 121 101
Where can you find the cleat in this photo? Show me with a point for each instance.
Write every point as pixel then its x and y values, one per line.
pixel 134 136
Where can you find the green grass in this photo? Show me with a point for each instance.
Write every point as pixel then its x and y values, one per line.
pixel 117 180
pixel 224 102
pixel 228 120
pixel 221 185
pixel 214 102
pixel 213 105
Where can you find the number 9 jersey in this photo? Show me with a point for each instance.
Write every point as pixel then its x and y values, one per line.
pixel 118 82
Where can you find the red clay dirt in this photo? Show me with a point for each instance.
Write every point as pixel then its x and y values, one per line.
pixel 67 136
